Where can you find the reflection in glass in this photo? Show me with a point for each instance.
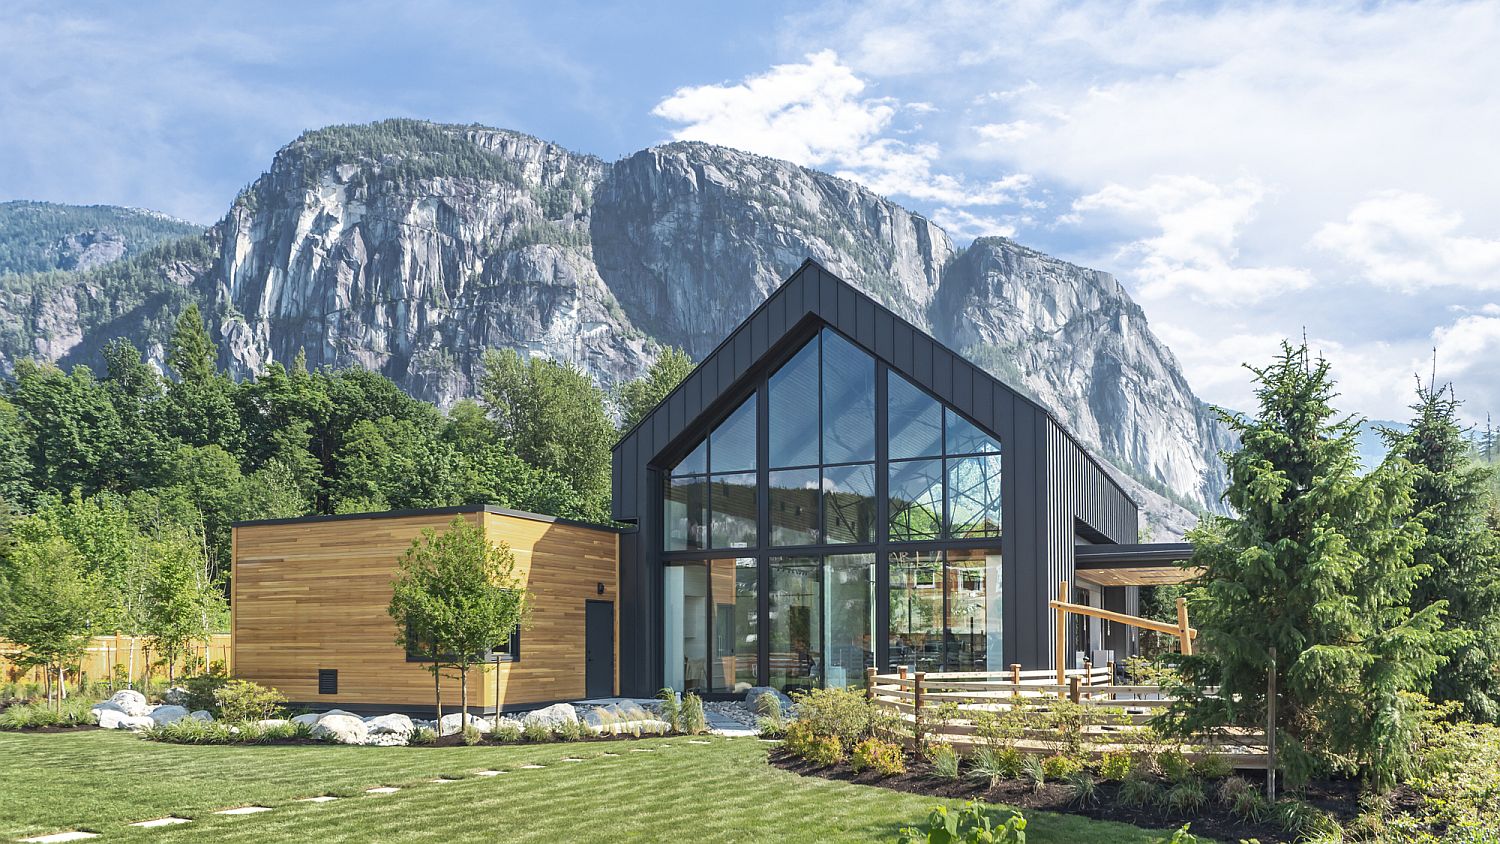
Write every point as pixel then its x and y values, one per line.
pixel 733 589
pixel 732 498
pixel 915 420
pixel 974 496
pixel 685 513
pixel 685 626
pixel 794 507
pixel 849 503
pixel 796 626
pixel 793 410
pixel 916 609
pixel 975 615
pixel 916 499
pixel 696 463
pixel 731 446
pixel 848 401
pixel 964 437
pixel 849 593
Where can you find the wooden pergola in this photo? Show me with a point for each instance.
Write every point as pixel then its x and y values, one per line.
pixel 1182 630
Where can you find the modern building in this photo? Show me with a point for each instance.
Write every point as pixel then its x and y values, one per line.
pixel 831 489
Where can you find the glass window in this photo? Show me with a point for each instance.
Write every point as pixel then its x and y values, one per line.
pixel 793 410
pixel 685 513
pixel 974 496
pixel 696 463
pixel 849 503
pixel 848 401
pixel 916 499
pixel 915 420
pixel 975 620
pixel 916 609
pixel 796 626
pixel 731 446
pixel 849 595
pixel 964 437
pixel 794 507
pixel 732 498
pixel 685 623
pixel 733 589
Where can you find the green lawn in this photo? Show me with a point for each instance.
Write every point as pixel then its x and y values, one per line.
pixel 721 791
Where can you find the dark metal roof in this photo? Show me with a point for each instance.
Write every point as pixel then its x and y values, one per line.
pixel 1156 554
pixel 432 511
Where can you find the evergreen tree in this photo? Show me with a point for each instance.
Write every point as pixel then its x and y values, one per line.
pixel 140 400
pixel 203 411
pixel 70 425
pixel 1317 564
pixel 1460 554
pixel 641 396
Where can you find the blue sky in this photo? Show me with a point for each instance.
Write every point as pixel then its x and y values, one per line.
pixel 1248 172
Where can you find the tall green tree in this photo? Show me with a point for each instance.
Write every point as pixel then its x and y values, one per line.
pixel 640 396
pixel 50 607
pixel 456 596
pixel 1460 554
pixel 139 396
pixel 181 604
pixel 202 399
pixel 15 466
pixel 70 425
pixel 1318 565
pixel 552 416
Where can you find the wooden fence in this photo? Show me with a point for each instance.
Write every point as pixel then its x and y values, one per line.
pixel 132 653
pixel 944 707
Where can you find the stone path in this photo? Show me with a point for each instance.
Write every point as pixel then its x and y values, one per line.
pixel 173 820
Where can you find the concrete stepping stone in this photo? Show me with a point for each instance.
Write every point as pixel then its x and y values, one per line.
pixel 382 789
pixel 441 781
pixel 642 750
pixel 244 810
pixel 572 759
pixel 69 835
pixel 695 741
pixel 160 822
pixel 489 773
pixel 322 798
pixel 533 767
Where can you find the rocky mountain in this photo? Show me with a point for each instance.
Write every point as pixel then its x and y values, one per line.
pixel 410 247
pixel 42 236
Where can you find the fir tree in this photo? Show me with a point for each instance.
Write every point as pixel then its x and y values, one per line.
pixel 1317 564
pixel 1460 553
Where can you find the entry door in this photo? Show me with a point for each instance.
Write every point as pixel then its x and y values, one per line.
pixel 599 649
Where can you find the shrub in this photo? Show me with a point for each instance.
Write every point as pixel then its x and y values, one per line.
pixel 1000 730
pixel 1187 795
pixel 1082 787
pixel 843 714
pixel 1115 766
pixel 1242 798
pixel 536 732
pixel 505 731
pixel 1212 767
pixel 670 708
pixel 691 715
pixel 202 687
pixel 1059 767
pixel 882 757
pixel 192 731
pixel 571 730
pixel 422 737
pixel 1173 765
pixel 944 761
pixel 1303 820
pixel 1011 762
pixel 1179 836
pixel 242 700
pixel 472 736
pixel 28 716
pixel 985 764
pixel 770 728
pixel 798 737
pixel 1138 790
pixel 824 751
pixel 1034 772
pixel 768 705
pixel 972 824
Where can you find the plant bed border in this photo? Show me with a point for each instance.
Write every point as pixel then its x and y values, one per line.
pixel 1339 797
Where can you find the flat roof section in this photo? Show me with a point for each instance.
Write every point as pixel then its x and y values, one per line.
pixel 435 511
pixel 1153 564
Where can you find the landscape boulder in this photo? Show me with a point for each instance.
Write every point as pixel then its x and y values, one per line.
pixel 341 728
pixel 309 719
pixel 452 724
pixel 553 716
pixel 109 719
pixel 389 730
pixel 201 715
pixel 752 698
pixel 268 723
pixel 168 714
pixel 176 696
pixel 130 702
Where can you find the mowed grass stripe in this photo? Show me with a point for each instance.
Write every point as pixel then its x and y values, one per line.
pixel 723 791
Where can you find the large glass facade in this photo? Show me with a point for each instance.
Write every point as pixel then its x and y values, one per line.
pixel 838 518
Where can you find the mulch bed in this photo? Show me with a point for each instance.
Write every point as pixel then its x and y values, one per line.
pixel 1338 797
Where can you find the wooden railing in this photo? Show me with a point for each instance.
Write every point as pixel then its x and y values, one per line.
pixel 944 707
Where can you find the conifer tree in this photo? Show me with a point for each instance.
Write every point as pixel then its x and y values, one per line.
pixel 1460 554
pixel 1317 563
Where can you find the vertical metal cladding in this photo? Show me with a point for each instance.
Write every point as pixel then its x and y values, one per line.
pixel 1050 483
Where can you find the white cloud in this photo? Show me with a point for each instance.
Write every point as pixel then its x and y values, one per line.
pixel 816 113
pixel 1408 242
pixel 963 225
pixel 1194 251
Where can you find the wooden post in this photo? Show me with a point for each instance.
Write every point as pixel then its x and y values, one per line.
pixel 1271 730
pixel 1062 636
pixel 917 714
pixel 869 684
pixel 1110 667
pixel 901 671
pixel 1015 674
pixel 1184 632
pixel 1075 693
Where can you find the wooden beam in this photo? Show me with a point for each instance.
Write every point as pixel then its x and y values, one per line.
pixel 1062 633
pixel 1122 618
pixel 1184 632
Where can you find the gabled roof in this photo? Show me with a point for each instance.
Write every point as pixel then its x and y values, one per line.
pixel 810 296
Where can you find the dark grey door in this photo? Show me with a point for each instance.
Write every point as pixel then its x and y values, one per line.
pixel 599 649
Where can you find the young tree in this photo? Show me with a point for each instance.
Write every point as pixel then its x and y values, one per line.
pixel 456 595
pixel 1460 554
pixel 1317 565
pixel 180 601
pixel 641 396
pixel 50 606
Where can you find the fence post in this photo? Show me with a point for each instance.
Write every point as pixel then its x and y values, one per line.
pixel 1061 655
pixel 869 684
pixel 1110 667
pixel 1015 673
pixel 1271 730
pixel 917 718
pixel 1075 693
pixel 1088 673
pixel 901 671
pixel 1185 639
